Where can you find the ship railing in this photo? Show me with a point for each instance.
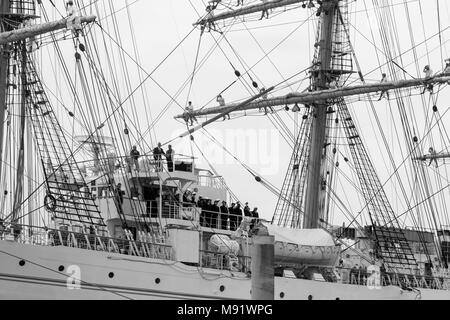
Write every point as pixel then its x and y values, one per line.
pixel 170 209
pixel 190 211
pixel 209 181
pixel 148 164
pixel 221 261
pixel 360 277
pixel 88 239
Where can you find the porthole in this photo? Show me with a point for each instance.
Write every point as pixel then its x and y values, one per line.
pixel 21 263
pixel 157 280
pixel 111 275
pixel 310 297
pixel 222 288
pixel 61 268
pixel 282 295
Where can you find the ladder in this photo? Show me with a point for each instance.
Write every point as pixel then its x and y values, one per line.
pixel 68 198
pixel 289 205
pixel 391 243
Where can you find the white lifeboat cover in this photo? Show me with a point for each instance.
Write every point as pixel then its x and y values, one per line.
pixel 304 237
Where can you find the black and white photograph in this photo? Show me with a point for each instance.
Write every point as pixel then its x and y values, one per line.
pixel 260 151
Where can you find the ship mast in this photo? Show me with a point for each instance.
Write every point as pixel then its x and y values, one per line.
pixel 4 61
pixel 320 95
pixel 320 81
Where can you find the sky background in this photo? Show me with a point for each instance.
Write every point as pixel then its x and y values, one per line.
pixel 276 49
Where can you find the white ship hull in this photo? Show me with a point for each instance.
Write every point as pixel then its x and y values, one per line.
pixel 136 278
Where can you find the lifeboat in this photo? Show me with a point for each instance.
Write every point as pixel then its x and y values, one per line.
pixel 314 247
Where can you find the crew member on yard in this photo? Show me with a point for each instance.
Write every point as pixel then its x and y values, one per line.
pixel 447 67
pixel 73 20
pixel 214 3
pixel 265 12
pixel 189 114
pixel 264 97
pixel 433 155
pixel 383 92
pixel 221 102
pixel 428 74
pixel 208 17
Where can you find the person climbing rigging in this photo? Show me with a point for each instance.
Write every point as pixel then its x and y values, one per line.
pixel 383 92
pixel 73 19
pixel 428 74
pixel 119 193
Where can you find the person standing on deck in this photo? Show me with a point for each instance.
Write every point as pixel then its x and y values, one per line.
pixel 134 158
pixel 233 218
pixel 255 216
pixel 224 215
pixel 247 212
pixel 215 213
pixel 169 157
pixel 158 152
pixel 383 92
pixel 238 213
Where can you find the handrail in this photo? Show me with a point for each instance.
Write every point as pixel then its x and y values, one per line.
pixel 92 241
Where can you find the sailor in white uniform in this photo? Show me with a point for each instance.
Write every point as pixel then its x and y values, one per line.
pixel 73 18
pixel 428 74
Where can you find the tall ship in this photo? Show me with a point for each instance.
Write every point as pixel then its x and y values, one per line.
pixel 94 206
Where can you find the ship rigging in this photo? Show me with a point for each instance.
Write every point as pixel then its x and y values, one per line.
pixel 85 190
